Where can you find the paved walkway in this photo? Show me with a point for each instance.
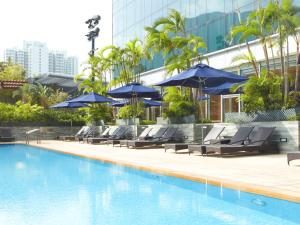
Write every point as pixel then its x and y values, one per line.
pixel 268 175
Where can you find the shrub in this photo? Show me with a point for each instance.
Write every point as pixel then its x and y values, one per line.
pixel 147 122
pixel 204 120
pixel 131 111
pixel 262 94
pixel 179 103
pixel 97 112
pixel 27 113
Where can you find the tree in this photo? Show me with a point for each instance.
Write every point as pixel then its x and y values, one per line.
pixel 125 62
pixel 26 93
pixel 180 50
pixel 256 26
pixel 284 18
pixel 168 36
pixel 95 81
pixel 10 71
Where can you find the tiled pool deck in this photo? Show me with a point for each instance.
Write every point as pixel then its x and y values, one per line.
pixel 268 175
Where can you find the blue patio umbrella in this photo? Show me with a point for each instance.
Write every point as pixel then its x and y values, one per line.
pixel 70 105
pixel 119 103
pixel 134 90
pixel 91 98
pixel 223 89
pixel 200 76
pixel 147 103
pixel 151 103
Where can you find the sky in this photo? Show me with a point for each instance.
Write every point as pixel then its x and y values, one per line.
pixel 59 23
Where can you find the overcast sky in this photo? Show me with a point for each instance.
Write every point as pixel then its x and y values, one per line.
pixel 59 23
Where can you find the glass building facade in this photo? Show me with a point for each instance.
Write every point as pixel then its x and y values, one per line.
pixel 209 19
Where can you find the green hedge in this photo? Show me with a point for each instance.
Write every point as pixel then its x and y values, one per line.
pixel 26 114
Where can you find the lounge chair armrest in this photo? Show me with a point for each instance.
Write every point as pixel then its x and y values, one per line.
pixel 232 143
pixel 252 142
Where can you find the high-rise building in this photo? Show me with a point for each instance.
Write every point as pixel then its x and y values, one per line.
pixel 71 65
pixel 16 56
pixel 37 58
pixel 210 19
pixel 57 62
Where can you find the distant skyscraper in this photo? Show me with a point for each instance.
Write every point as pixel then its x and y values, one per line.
pixel 38 58
pixel 71 65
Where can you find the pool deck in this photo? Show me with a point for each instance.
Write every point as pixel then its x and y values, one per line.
pixel 267 175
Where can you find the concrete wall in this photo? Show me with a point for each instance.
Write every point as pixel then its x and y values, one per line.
pixel 20 132
pixel 284 129
pixel 191 132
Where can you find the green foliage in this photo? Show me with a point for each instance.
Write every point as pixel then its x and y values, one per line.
pixel 147 122
pixel 293 99
pixel 95 80
pixel 124 61
pixel 23 113
pixel 97 112
pixel 131 111
pixel 9 71
pixel 179 104
pixel 168 36
pixel 39 94
pixel 204 120
pixel 262 94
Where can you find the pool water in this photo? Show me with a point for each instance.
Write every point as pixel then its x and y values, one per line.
pixel 39 187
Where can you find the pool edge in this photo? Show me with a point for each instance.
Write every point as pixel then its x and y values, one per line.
pixel 240 186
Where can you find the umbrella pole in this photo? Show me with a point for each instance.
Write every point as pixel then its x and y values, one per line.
pixel 200 90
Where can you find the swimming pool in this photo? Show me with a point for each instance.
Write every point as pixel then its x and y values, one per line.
pixel 39 187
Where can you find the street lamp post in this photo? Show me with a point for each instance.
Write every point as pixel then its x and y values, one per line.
pixel 93 33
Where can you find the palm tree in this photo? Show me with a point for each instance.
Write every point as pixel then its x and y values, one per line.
pixel 42 94
pixel 126 62
pixel 168 36
pixel 256 26
pixel 25 93
pixel 284 17
pixel 134 54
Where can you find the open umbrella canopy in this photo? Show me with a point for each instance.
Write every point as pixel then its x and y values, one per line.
pixel 119 103
pixel 69 105
pixel 147 103
pixel 223 89
pixel 150 103
pixel 91 98
pixel 134 90
pixel 201 75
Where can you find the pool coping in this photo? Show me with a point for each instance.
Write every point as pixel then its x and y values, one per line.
pixel 225 183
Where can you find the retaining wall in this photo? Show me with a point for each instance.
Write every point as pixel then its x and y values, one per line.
pixel 284 129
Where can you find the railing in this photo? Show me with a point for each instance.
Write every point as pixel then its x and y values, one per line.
pixel 34 131
pixel 275 115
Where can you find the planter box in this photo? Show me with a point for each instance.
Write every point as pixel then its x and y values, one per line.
pixel 134 121
pixel 176 120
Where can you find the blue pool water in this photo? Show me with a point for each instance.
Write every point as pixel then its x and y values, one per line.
pixel 39 187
